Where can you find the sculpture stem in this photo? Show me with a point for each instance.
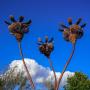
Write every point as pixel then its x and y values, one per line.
pixel 28 74
pixel 66 65
pixel 51 66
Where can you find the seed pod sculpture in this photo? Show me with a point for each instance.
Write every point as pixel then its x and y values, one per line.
pixel 18 28
pixel 71 33
pixel 46 48
pixel 74 31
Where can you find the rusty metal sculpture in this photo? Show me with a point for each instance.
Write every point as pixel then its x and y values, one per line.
pixel 19 29
pixel 46 48
pixel 71 33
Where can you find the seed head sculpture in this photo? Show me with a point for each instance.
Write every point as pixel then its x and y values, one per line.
pixel 71 33
pixel 46 48
pixel 74 31
pixel 18 29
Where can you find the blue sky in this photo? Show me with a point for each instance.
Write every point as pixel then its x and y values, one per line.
pixel 46 16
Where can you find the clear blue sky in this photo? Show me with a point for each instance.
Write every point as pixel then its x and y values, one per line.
pixel 46 16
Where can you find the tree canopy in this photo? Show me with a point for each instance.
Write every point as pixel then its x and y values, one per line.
pixel 79 81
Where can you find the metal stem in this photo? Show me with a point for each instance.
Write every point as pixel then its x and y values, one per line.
pixel 66 65
pixel 28 74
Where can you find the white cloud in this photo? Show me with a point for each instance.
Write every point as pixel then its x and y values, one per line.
pixel 38 72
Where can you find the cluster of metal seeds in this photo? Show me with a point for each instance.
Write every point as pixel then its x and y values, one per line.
pixel 73 31
pixel 46 47
pixel 18 28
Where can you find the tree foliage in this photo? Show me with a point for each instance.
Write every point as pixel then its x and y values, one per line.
pixel 79 81
pixel 10 81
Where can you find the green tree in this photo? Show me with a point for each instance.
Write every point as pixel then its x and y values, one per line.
pixel 79 81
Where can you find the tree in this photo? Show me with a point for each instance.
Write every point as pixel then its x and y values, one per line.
pixel 10 81
pixel 79 81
